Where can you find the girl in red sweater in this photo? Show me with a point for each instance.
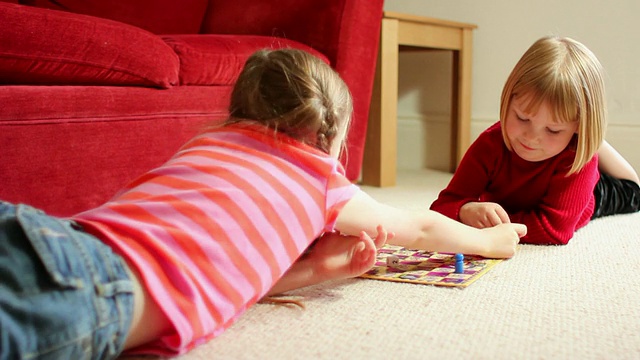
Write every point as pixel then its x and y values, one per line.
pixel 545 164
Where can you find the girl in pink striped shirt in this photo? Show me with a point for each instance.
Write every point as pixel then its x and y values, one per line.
pixel 180 253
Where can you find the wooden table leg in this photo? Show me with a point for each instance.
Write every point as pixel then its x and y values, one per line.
pixel 461 100
pixel 380 154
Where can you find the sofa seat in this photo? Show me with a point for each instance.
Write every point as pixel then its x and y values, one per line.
pixel 66 151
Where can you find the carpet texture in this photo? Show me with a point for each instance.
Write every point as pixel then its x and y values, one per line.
pixel 579 301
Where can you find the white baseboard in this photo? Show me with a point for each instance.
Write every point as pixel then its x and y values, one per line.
pixel 423 143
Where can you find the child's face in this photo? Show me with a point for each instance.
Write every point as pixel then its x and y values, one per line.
pixel 536 137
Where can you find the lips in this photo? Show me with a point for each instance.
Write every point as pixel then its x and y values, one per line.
pixel 525 146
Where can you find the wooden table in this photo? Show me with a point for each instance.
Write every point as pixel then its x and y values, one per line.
pixel 400 31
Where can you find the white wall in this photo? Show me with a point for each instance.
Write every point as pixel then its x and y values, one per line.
pixel 506 28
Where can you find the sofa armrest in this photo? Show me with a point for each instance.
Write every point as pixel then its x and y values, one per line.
pixel 347 32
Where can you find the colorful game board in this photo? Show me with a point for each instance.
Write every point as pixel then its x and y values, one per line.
pixel 431 268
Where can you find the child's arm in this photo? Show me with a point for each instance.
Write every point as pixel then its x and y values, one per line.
pixel 427 229
pixel 333 256
pixel 472 176
pixel 562 210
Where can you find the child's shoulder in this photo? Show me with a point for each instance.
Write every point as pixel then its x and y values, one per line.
pixel 495 128
pixel 492 136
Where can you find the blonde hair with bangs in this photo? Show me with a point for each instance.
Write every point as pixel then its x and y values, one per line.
pixel 569 77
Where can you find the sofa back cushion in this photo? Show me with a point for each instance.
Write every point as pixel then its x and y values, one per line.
pixel 210 59
pixel 320 31
pixel 48 47
pixel 157 16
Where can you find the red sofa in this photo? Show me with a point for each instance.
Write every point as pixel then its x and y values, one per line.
pixel 94 93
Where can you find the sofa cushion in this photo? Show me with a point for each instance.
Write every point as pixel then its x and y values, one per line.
pixel 157 16
pixel 319 24
pixel 42 46
pixel 218 59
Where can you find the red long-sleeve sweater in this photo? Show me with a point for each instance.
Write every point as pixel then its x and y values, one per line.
pixel 537 194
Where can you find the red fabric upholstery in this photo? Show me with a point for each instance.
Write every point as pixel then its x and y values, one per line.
pixel 80 50
pixel 70 145
pixel 345 31
pixel 157 16
pixel 218 59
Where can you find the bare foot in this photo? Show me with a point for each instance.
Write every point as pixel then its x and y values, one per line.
pixel 333 257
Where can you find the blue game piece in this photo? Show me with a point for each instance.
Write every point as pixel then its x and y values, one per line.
pixel 459 263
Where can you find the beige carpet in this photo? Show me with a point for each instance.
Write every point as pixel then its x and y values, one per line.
pixel 580 301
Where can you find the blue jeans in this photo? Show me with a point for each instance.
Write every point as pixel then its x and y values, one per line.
pixel 63 293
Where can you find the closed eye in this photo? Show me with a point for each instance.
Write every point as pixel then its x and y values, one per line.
pixel 553 132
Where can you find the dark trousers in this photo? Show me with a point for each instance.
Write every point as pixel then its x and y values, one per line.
pixel 615 196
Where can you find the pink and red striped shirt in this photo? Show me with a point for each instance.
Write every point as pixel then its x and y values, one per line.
pixel 215 227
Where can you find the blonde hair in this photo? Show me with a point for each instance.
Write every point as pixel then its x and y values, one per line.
pixel 569 77
pixel 292 92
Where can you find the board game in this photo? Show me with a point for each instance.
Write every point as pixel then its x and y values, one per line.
pixel 395 263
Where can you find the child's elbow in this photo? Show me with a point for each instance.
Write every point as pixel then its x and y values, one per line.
pixel 560 242
pixel 546 240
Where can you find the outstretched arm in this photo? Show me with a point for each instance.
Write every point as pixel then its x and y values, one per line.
pixel 427 229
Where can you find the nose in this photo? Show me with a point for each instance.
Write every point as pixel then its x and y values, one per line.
pixel 531 135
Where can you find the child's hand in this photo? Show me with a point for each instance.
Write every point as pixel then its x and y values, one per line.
pixel 381 238
pixel 483 214
pixel 502 239
pixel 333 256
